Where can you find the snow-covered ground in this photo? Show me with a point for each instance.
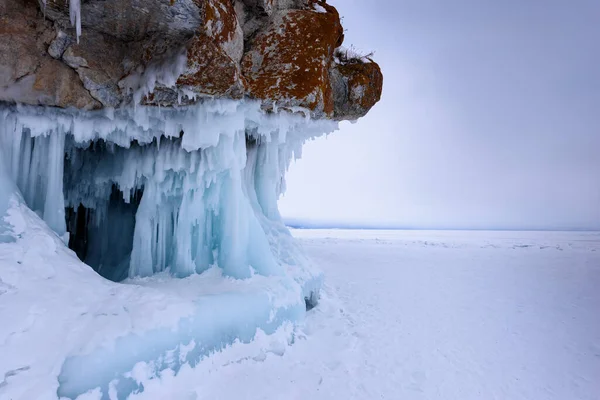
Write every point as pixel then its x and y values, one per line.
pixel 414 315
pixel 465 315
pixel 431 315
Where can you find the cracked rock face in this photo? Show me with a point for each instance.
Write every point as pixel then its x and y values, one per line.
pixel 278 51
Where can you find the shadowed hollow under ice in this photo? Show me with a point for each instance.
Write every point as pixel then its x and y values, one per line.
pixel 143 196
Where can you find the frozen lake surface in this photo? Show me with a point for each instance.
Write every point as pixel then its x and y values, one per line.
pixel 430 315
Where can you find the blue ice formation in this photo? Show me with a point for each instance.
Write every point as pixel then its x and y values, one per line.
pixel 140 191
pixel 186 185
pixel 218 321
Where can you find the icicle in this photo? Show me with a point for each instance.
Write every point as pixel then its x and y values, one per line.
pixel 141 263
pixel 75 16
pixel 54 205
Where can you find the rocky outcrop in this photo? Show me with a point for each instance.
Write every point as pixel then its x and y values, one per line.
pixel 178 51
pixel 356 86
pixel 28 74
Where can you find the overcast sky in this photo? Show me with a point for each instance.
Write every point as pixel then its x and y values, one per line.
pixel 490 118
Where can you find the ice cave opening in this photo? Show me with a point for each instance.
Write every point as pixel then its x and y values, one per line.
pixel 104 240
pixel 100 215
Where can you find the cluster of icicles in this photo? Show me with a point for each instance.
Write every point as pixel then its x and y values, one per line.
pixel 138 191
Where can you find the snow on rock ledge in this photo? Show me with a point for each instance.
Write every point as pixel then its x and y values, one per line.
pixel 279 52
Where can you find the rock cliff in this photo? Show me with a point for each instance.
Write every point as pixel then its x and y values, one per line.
pixel 168 52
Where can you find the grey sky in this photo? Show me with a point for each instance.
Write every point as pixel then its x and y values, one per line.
pixel 490 118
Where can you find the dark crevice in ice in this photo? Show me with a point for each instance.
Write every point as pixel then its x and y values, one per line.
pixel 100 231
pixel 104 240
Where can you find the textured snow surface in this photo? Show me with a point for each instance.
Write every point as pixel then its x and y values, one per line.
pixel 464 315
pixel 403 315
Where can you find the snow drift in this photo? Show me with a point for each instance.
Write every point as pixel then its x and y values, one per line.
pixel 143 196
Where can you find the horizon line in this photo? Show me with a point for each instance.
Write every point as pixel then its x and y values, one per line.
pixel 296 224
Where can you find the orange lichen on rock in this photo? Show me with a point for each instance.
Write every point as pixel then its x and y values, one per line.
pixel 288 63
pixel 214 53
pixel 210 71
pixel 220 21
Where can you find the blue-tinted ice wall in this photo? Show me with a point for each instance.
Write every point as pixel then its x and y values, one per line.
pixel 177 189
